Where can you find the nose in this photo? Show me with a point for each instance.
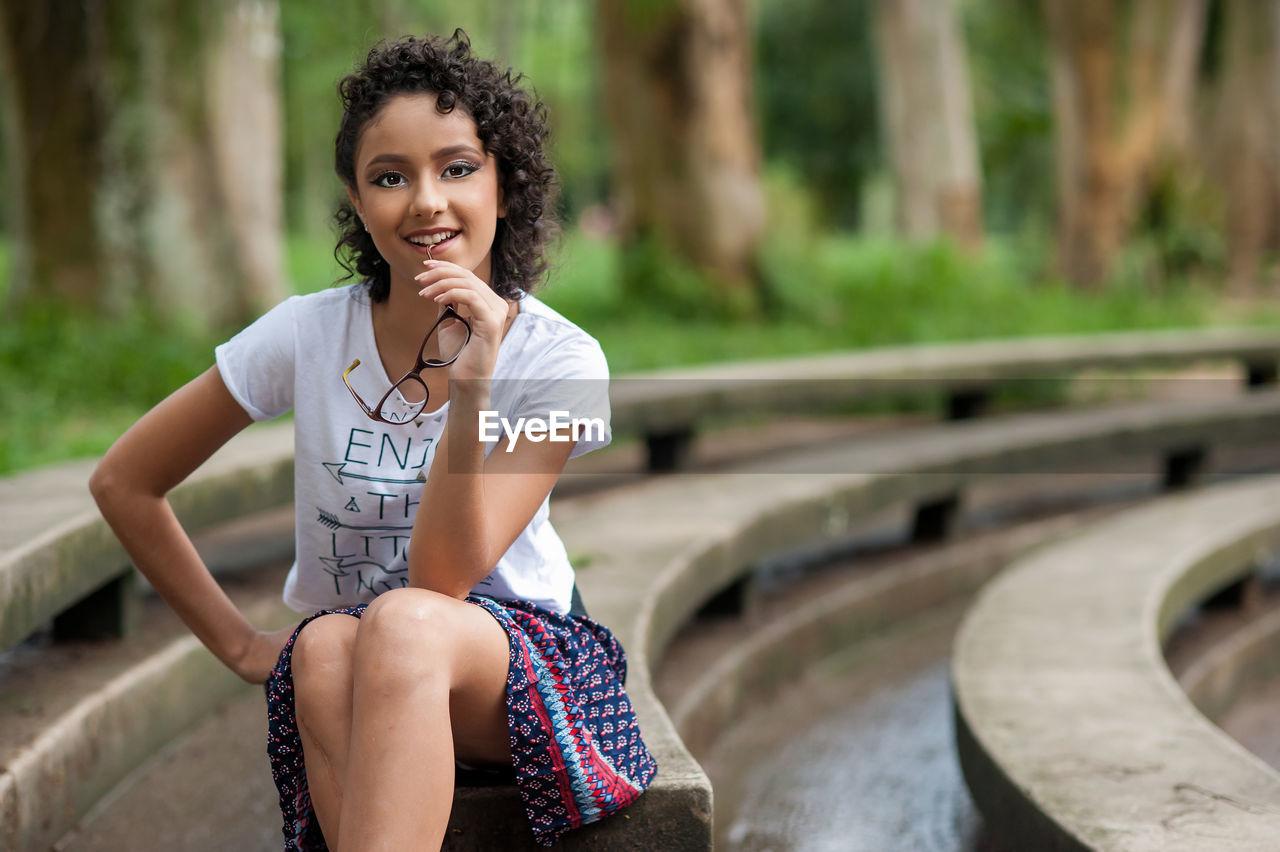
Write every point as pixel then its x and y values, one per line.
pixel 428 198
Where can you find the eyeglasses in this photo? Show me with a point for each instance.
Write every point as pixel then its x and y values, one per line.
pixel 451 333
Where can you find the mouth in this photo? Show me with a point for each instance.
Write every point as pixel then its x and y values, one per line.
pixel 433 243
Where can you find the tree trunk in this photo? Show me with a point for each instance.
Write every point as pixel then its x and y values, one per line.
pixel 1185 43
pixel 927 112
pixel 678 91
pixel 54 113
pixel 1247 157
pixel 148 159
pixel 246 127
pixel 1116 86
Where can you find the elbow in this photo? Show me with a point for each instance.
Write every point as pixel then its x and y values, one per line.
pixel 446 579
pixel 441 582
pixel 104 483
pixel 109 485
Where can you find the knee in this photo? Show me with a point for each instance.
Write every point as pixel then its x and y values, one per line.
pixel 406 628
pixel 322 661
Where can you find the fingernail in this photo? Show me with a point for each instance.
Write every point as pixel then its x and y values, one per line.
pixel 423 291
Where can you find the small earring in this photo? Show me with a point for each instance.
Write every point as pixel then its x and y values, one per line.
pixel 366 224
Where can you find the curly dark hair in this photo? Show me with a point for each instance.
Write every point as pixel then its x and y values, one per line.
pixel 509 121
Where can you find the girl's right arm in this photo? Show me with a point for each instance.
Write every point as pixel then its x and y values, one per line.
pixel 130 484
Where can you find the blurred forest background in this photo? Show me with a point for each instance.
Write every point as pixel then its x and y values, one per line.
pixel 741 178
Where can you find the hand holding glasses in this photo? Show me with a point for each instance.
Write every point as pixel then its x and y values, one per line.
pixel 451 333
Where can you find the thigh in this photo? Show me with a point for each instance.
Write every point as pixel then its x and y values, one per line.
pixel 478 702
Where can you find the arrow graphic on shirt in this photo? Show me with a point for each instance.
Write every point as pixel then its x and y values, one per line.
pixel 338 567
pixel 339 471
pixel 333 522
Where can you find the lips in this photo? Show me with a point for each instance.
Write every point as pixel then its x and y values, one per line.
pixel 436 241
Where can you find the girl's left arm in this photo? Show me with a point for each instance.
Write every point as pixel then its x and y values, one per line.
pixel 473 508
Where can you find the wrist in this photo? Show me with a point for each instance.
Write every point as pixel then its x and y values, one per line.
pixel 468 395
pixel 239 656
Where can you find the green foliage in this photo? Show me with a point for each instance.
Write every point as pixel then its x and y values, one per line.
pixel 647 15
pixel 655 280
pixel 316 51
pixel 835 292
pixel 558 56
pixel 1013 109
pixel 816 82
pixel 73 383
pixel 6 268
pixel 815 79
pixel 1180 231
pixel 310 262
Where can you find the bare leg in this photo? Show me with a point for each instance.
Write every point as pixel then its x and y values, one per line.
pixel 322 686
pixel 430 682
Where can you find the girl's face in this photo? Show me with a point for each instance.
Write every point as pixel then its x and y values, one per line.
pixel 424 179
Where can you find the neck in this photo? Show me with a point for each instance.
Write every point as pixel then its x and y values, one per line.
pixel 405 316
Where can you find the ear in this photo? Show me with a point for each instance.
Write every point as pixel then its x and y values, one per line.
pixel 355 202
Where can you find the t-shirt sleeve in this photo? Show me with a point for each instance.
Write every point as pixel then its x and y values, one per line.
pixel 569 390
pixel 257 365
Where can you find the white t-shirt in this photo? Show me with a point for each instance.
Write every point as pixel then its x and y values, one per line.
pixel 357 481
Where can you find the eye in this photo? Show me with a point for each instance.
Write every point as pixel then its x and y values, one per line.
pixel 459 169
pixel 389 179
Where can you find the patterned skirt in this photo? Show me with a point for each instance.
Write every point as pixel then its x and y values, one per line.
pixel 576 749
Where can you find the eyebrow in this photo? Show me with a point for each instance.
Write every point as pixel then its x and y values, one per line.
pixel 440 154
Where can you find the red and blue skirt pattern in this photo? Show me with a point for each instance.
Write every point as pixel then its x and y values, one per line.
pixel 576 748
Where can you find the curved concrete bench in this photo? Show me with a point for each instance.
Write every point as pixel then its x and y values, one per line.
pixel 667 406
pixel 55 551
pixel 1072 732
pixel 657 556
pixel 861 609
pixel 1247 658
pixel 655 553
pixel 658 551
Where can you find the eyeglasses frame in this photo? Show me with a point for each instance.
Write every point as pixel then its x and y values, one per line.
pixel 415 373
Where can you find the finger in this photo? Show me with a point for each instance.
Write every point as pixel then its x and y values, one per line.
pixel 435 285
pixel 456 296
pixel 435 288
pixel 442 273
pixel 465 299
pixel 431 265
pixel 477 310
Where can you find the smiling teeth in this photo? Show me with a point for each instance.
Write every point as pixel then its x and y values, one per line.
pixel 432 239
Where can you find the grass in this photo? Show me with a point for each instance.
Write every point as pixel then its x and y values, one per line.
pixel 71 385
pixel 843 293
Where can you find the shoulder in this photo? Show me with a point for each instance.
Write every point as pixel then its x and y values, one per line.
pixel 539 313
pixel 329 311
pixel 348 298
pixel 322 304
pixel 544 336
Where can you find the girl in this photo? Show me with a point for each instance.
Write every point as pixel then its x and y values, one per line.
pixel 442 629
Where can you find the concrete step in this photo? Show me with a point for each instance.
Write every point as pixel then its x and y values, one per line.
pixel 599 524
pixel 211 789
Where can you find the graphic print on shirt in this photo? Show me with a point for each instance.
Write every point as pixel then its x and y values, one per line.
pixel 380 478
